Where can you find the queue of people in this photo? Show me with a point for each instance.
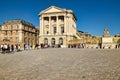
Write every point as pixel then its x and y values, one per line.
pixel 29 47
pixel 6 48
pixel 76 45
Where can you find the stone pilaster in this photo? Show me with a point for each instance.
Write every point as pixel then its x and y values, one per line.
pixel 49 25
pixel 41 25
pixel 65 27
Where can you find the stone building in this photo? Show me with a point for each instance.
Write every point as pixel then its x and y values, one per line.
pixel 83 34
pixel 57 26
pixel 18 32
pixel 117 35
pixel 107 40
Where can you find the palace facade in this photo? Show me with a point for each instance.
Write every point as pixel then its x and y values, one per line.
pixel 18 32
pixel 57 26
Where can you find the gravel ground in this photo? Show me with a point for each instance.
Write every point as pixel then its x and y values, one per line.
pixel 61 64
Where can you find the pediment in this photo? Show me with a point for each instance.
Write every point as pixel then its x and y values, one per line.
pixel 53 9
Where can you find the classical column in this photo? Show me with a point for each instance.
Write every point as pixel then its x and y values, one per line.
pixel 41 26
pixel 57 25
pixel 49 25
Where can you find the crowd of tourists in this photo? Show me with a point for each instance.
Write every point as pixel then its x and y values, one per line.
pixel 28 47
pixel 100 46
pixel 6 48
pixel 77 45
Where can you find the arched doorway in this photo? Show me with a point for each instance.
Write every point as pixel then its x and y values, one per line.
pixel 45 41
pixel 61 41
pixel 53 42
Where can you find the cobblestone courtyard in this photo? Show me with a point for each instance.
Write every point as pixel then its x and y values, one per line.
pixel 61 64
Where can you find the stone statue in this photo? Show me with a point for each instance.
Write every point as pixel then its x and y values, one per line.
pixel 106 33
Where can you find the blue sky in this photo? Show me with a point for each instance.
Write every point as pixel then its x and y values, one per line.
pixel 92 15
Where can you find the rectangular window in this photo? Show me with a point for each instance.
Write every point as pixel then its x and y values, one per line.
pixel 62 29
pixel 11 39
pixel 24 27
pixel 55 20
pixel 16 32
pixel 16 39
pixel 55 30
pixel 5 32
pixel 62 19
pixel 47 32
pixel 11 33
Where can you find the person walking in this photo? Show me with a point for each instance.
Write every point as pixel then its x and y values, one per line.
pixel 8 48
pixel 12 48
pixel 1 47
pixel 5 48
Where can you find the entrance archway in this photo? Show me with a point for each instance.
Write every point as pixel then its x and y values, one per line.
pixel 45 41
pixel 53 42
pixel 61 41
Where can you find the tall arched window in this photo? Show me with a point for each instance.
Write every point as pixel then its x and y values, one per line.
pixel 45 41
pixel 62 29
pixel 61 41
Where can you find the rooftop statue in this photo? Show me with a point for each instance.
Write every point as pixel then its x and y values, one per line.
pixel 106 33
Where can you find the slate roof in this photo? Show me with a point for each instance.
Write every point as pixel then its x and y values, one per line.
pixel 19 21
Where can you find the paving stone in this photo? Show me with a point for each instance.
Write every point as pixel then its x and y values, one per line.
pixel 61 64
